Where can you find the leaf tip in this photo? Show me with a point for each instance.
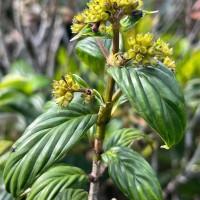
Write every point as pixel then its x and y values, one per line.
pixel 165 147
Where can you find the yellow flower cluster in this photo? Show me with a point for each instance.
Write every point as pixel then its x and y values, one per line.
pixel 145 51
pixel 63 90
pixel 99 11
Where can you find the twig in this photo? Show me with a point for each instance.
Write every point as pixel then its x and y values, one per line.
pixel 27 43
pixel 6 60
pixel 172 185
pixel 56 37
pixel 3 46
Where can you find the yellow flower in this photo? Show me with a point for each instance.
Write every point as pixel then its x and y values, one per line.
pixel 169 62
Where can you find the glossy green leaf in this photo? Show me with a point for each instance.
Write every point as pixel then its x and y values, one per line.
pixel 75 194
pixel 123 137
pixel 132 174
pixel 89 53
pixel 44 142
pixel 122 99
pixel 155 94
pixel 129 21
pixel 56 179
pixel 98 97
pixel 80 81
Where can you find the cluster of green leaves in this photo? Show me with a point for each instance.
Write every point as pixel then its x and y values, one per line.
pixel 153 92
pixel 20 90
pixel 21 101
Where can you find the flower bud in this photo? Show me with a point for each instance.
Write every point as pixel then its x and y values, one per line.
pixel 139 38
pixel 138 57
pixel 102 28
pixel 104 16
pixel 136 48
pixel 143 50
pixel 75 87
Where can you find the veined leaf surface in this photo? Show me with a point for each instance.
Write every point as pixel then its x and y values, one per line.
pixel 155 94
pixel 75 194
pixel 132 174
pixel 44 142
pixel 48 186
pixel 123 137
pixel 90 54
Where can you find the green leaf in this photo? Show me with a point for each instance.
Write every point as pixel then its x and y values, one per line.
pixel 36 82
pixel 22 68
pixel 113 125
pixel 47 186
pixel 123 137
pixel 122 99
pixel 26 85
pixel 13 81
pixel 90 54
pixel 80 81
pixel 87 31
pixel 132 174
pixel 45 142
pixel 129 21
pixel 75 194
pixel 98 97
pixel 9 96
pixel 155 94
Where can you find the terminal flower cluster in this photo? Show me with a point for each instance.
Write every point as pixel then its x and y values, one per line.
pixel 144 50
pixel 100 11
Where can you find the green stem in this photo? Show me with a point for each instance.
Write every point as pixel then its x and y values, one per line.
pixel 104 117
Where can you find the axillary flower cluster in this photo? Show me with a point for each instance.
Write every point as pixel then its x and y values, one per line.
pixel 145 51
pixel 100 11
pixel 64 89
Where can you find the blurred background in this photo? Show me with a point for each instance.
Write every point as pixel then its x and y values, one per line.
pixel 35 48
